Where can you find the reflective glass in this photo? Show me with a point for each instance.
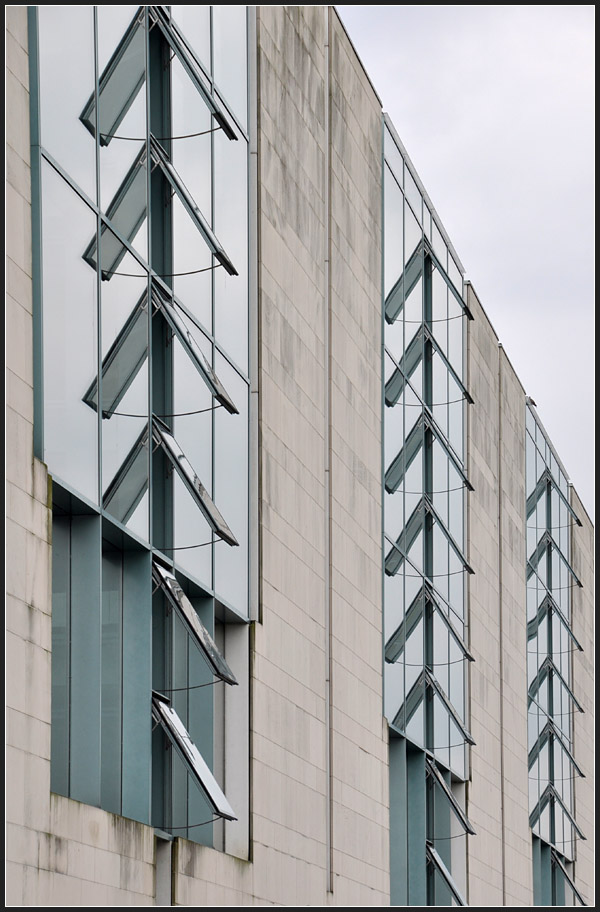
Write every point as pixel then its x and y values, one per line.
pixel 70 337
pixel 393 513
pixel 194 22
pixel 66 59
pixel 413 194
pixel 122 99
pixel 193 432
pixel 455 274
pixel 412 233
pixel 231 490
pixel 393 156
pixel 439 310
pixel 231 227
pixel 393 202
pixel 192 262
pixel 413 313
pixel 230 57
pixel 126 384
pixel 439 245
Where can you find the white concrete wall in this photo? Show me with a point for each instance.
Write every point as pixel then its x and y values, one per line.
pixel 58 852
pixel 583 615
pixel 499 857
pixel 290 722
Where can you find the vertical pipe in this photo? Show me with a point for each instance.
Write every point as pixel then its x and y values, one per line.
pixel 327 441
pixel 500 631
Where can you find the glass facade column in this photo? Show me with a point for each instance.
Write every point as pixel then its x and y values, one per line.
pixel 142 185
pixel 425 598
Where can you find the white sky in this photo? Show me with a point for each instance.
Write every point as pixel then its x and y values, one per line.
pixel 495 106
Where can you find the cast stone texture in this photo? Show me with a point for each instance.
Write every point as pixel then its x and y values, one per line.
pixel 500 856
pixel 582 554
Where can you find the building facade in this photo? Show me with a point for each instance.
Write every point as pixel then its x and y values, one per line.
pixel 299 597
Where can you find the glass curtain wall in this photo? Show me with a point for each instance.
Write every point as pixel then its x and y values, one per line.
pixel 425 619
pixel 551 645
pixel 140 165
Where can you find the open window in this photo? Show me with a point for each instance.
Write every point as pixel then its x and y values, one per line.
pixel 411 275
pixel 180 47
pixel 128 352
pixel 123 361
pixel 545 544
pixel 163 436
pixel 550 731
pixel 179 601
pixel 397 469
pixel 438 780
pixel 160 158
pixel 548 606
pixel 559 866
pixel 545 480
pixel 435 860
pixel 130 483
pixel 551 796
pixel 177 734
pixel 395 645
pixel 408 536
pixel 549 669
pixel 119 83
pixel 416 695
pixel 126 212
pixel 162 301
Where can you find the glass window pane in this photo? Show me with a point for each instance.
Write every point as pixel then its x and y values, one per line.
pixel 229 56
pixel 66 41
pixel 194 434
pixel 70 337
pixel 231 490
pixel 393 202
pixel 194 22
pixel 413 194
pixel 231 227
pixel 393 156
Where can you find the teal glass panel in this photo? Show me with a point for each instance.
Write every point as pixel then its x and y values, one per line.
pixel 86 650
pixel 61 698
pixel 112 670
pixel 137 685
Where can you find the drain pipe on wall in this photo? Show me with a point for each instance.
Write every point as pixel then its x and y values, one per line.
pixel 327 441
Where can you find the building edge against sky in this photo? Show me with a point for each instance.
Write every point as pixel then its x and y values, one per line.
pixel 305 753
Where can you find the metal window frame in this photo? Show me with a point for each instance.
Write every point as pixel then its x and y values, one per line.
pixel 110 71
pixel 112 215
pixel 163 436
pixel 550 793
pixel 121 474
pixel 165 715
pixel 192 66
pixel 436 777
pixel 550 730
pixel 548 667
pixel 160 299
pixel 434 858
pixel 179 601
pixel 160 158
pixel 112 359
pixel 545 542
pixel 558 863
pixel 549 606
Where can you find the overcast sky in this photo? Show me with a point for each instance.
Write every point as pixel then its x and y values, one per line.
pixel 495 106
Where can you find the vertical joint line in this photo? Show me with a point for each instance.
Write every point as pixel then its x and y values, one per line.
pixel 327 442
pixel 500 629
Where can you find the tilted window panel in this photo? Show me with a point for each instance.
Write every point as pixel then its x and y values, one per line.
pixel 178 600
pixel 119 83
pixel 192 66
pixel 175 730
pixel 163 436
